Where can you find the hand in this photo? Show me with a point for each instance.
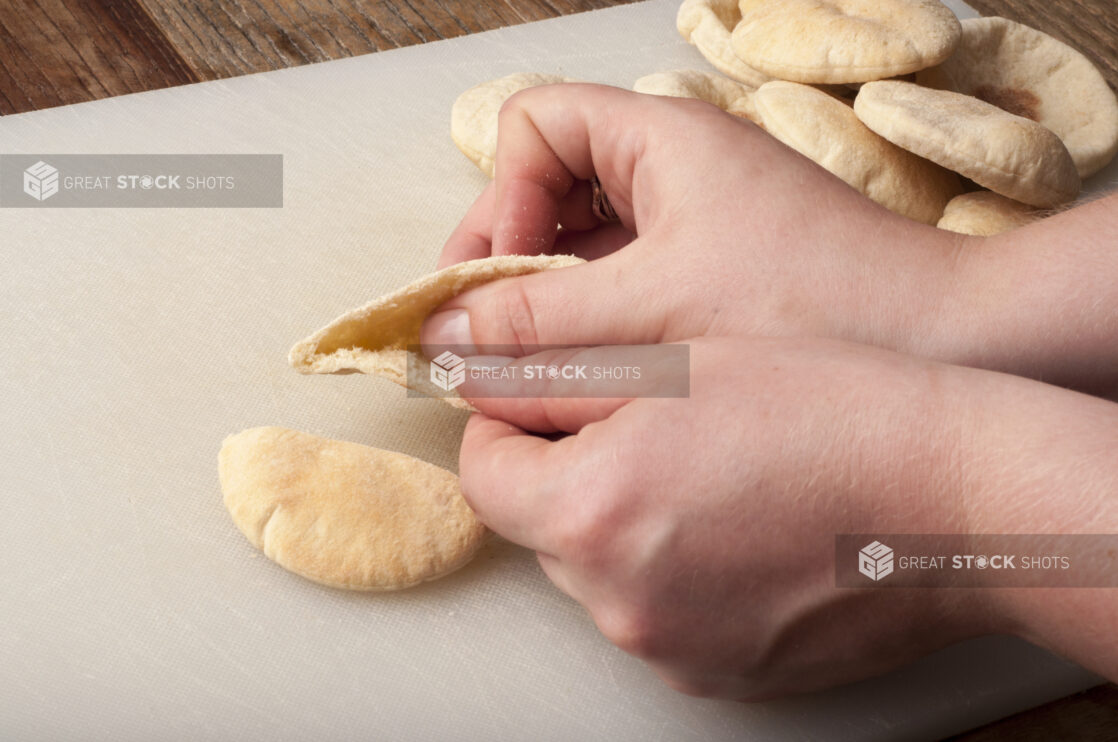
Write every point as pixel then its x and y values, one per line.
pixel 699 532
pixel 726 231
pixel 735 233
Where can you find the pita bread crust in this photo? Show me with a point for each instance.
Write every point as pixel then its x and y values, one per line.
pixel 1031 74
pixel 343 514
pixel 1008 154
pixel 844 41
pixel 827 131
pixel 729 95
pixel 985 213
pixel 473 117
pixel 706 25
pixel 374 338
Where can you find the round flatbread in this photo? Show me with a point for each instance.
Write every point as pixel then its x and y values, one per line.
pixel 844 41
pixel 706 25
pixel 826 130
pixel 473 117
pixel 985 213
pixel 344 514
pixel 729 95
pixel 1008 154
pixel 375 338
pixel 1031 74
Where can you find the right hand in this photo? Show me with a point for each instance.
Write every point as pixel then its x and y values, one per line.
pixel 734 234
pixel 725 231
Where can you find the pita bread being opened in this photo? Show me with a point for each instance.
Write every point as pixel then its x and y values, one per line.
pixel 985 213
pixel 1008 154
pixel 844 41
pixel 1031 74
pixel 706 25
pixel 473 117
pixel 374 338
pixel 344 514
pixel 729 95
pixel 828 132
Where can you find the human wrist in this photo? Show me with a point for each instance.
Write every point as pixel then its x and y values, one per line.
pixel 1036 302
pixel 908 289
pixel 1035 459
pixel 940 322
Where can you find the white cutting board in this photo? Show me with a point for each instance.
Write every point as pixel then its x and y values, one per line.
pixel 135 340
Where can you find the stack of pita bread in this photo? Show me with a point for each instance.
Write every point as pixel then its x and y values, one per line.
pixel 1011 109
pixel 896 97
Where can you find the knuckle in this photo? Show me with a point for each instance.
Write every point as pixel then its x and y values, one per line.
pixel 512 104
pixel 511 315
pixel 591 527
pixel 518 100
pixel 631 629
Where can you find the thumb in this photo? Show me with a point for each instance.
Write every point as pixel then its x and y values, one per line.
pixel 597 303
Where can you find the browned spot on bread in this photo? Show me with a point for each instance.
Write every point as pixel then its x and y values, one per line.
pixel 1016 101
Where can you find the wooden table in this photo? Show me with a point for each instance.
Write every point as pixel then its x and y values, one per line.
pixel 55 52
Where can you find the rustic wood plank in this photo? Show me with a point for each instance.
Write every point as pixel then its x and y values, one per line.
pixel 221 39
pixel 1091 26
pixel 57 52
pixel 1090 716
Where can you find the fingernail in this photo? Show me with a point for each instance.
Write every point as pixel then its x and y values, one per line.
pixel 450 327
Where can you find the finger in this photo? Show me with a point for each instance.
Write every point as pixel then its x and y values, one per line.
pixel 597 303
pixel 550 138
pixel 521 391
pixel 549 414
pixel 511 479
pixel 472 238
pixel 576 208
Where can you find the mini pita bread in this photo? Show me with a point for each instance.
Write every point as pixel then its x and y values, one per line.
pixel 473 117
pixel 1031 74
pixel 984 213
pixel 706 25
pixel 1008 154
pixel 827 131
pixel 374 338
pixel 729 95
pixel 844 41
pixel 344 514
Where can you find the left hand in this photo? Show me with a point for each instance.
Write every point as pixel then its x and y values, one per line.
pixel 699 532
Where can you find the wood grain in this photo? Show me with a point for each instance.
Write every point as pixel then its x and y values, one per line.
pixel 54 52
pixel 1090 716
pixel 219 39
